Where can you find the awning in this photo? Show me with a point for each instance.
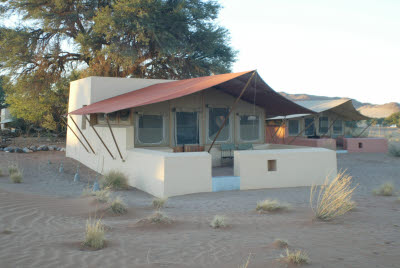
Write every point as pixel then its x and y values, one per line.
pixel 286 117
pixel 232 83
pixel 343 108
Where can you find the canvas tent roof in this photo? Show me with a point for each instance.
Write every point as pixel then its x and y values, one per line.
pixel 232 83
pixel 343 108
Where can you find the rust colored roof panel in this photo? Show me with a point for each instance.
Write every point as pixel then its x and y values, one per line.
pixel 232 83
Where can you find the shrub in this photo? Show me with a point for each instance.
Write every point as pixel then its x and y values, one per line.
pixel 385 189
pixel 219 221
pixel 333 198
pixel 159 203
pixel 351 205
pixel 159 217
pixel 270 206
pixel 296 257
pixel 94 236
pixel 102 196
pixel 12 169
pixel 280 243
pixel 16 177
pixel 115 180
pixel 118 206
pixel 394 150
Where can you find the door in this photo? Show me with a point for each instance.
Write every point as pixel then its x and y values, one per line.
pixel 187 128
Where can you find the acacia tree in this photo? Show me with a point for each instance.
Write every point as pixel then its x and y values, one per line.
pixel 172 39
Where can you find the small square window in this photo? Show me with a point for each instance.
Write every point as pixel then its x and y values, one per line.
pixel 360 145
pixel 272 165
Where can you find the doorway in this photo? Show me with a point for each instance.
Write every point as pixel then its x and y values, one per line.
pixel 187 128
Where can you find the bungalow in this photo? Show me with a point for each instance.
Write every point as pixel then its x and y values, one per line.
pixel 5 118
pixel 172 137
pixel 329 127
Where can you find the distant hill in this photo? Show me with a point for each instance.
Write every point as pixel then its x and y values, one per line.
pixel 368 109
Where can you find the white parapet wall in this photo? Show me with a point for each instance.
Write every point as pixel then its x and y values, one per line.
pixel 292 167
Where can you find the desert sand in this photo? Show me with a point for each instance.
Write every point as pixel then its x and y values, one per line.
pixel 42 222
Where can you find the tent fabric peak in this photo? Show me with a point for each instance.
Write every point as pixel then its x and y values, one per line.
pixel 258 93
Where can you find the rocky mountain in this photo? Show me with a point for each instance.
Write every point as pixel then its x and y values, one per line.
pixel 368 109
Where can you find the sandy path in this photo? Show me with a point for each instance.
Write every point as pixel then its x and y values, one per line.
pixel 46 230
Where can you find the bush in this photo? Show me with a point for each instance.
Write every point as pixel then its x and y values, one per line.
pixel 118 206
pixel 333 198
pixel 394 150
pixel 219 221
pixel 159 217
pixel 102 196
pixel 385 189
pixel 12 169
pixel 158 203
pixel 94 236
pixel 115 180
pixel 16 177
pixel 296 257
pixel 280 243
pixel 270 206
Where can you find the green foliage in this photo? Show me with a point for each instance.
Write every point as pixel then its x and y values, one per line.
pixel 114 180
pixel 393 119
pixel 2 93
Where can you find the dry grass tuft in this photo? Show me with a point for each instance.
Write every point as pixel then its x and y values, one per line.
pixel 118 206
pixel 296 257
pixel 333 198
pixel 159 217
pixel 94 236
pixel 218 221
pixel 159 203
pixel 114 180
pixel 281 243
pixel 16 177
pixel 12 169
pixel 246 264
pixel 385 189
pixel 271 206
pixel 103 196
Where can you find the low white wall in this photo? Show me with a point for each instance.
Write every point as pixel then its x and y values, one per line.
pixel 294 167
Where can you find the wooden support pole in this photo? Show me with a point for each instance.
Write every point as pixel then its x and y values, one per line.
pixel 66 123
pixel 309 125
pixel 95 131
pixel 372 121
pixel 115 141
pixel 231 110
pixel 81 133
pixel 276 132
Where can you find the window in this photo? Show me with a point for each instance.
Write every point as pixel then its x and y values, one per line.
pixel 151 129
pixel 293 127
pixel 187 128
pixel 272 165
pixel 338 127
pixel 125 116
pixel 101 119
pixel 216 117
pixel 309 126
pixel 249 127
pixel 122 117
pixel 323 125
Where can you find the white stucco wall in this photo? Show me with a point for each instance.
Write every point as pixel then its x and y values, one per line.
pixel 295 167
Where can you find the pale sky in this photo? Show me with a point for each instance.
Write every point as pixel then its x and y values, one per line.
pixel 332 48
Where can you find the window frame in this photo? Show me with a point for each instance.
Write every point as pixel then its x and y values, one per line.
pixel 319 125
pixel 298 126
pixel 260 119
pixel 138 129
pixel 117 121
pixel 306 125
pixel 230 131
pixel 341 127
